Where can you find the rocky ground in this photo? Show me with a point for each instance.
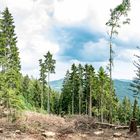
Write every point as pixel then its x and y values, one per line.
pixel 35 126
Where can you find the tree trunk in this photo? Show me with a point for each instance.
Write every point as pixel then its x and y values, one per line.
pixel 80 94
pixel 90 103
pixel 72 102
pixel 133 126
pixel 86 106
pixel 101 109
pixel 110 74
pixel 48 108
pixel 42 93
pixel 133 122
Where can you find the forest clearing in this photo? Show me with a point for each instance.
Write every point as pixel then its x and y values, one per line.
pixel 37 126
pixel 89 105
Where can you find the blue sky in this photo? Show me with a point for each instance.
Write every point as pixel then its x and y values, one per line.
pixel 73 31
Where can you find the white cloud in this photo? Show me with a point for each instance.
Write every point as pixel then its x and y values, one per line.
pixel 123 70
pixel 127 55
pixel 30 55
pixel 94 14
pixel 32 25
pixel 70 11
pixel 34 19
pixel 98 51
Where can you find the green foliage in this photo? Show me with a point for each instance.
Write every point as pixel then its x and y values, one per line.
pixel 31 95
pixel 42 80
pixel 65 98
pixel 84 91
pixel 94 98
pixel 46 68
pixel 18 92
pixel 10 64
pixel 125 111
pixel 135 85
pixel 49 63
pixel 114 23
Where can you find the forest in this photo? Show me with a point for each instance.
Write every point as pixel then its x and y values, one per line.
pixel 85 90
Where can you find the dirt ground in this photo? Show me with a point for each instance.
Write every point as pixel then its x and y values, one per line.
pixel 36 126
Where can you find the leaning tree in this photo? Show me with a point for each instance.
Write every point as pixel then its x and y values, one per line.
pixel 118 17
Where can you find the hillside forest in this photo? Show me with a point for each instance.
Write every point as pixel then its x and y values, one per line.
pixel 85 91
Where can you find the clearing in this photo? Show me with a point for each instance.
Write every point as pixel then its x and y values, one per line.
pixel 37 126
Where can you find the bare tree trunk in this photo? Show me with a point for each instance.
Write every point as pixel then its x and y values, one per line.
pixel 72 102
pixel 80 94
pixel 48 93
pixel 86 106
pixel 110 70
pixel 42 92
pixel 101 109
pixel 90 102
pixel 133 122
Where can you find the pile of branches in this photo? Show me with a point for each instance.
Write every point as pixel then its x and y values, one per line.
pixel 85 123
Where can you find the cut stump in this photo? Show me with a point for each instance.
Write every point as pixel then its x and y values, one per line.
pixel 133 126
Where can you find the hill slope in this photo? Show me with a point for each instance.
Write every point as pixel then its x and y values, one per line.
pixel 121 88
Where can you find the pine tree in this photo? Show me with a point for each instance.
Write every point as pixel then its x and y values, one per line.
pixel 10 62
pixel 92 81
pixel 49 64
pixel 126 111
pixel 114 23
pixel 65 98
pixel 74 88
pixel 86 89
pixel 25 87
pixel 43 81
pixel 36 94
pixel 54 102
pixel 11 50
pixel 89 77
pixel 80 79
pixel 101 82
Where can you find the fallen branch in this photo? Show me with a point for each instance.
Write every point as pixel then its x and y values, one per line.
pixel 107 125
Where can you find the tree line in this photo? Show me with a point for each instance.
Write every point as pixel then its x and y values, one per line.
pixel 18 92
pixel 84 91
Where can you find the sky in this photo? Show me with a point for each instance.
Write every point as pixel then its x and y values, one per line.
pixel 74 31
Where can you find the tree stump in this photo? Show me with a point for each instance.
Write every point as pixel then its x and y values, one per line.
pixel 133 126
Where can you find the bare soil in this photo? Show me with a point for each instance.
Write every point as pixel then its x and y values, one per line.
pixel 37 126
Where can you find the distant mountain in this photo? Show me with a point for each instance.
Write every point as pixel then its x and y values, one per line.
pixel 57 84
pixel 121 88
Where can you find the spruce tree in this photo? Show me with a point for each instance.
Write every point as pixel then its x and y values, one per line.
pixel 49 64
pixel 114 23
pixel 43 81
pixel 65 98
pixel 101 82
pixel 11 51
pixel 74 89
pixel 25 87
pixel 89 77
pixel 10 62
pixel 92 82
pixel 80 79
pixel 36 94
